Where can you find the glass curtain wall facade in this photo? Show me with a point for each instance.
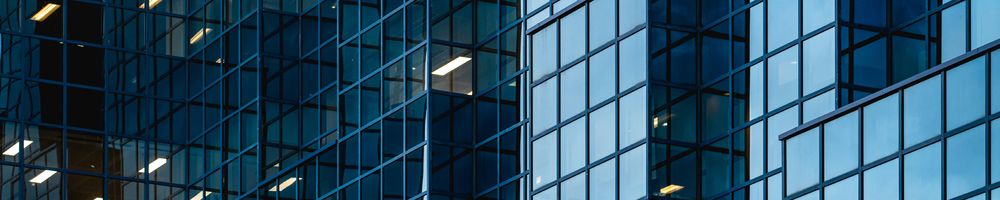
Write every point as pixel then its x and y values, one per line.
pixel 261 99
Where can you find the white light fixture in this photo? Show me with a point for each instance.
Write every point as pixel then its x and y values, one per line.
pixel 219 61
pixel 656 122
pixel 45 12
pixel 156 164
pixel 152 4
pixel 43 176
pixel 98 198
pixel 284 184
pixel 201 195
pixel 200 34
pixel 13 150
pixel 670 189
pixel 457 62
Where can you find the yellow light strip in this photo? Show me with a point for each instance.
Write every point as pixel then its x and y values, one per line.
pixel 45 12
pixel 201 195
pixel 284 184
pixel 670 189
pixel 200 34
pixel 152 4
pixel 454 64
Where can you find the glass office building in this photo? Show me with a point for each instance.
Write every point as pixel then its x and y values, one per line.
pixel 498 99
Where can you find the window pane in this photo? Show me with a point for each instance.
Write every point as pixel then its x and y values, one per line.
pixel 953 29
pixel 881 128
pixel 840 145
pixel 782 78
pixel 572 42
pixel 783 22
pixel 632 127
pixel 802 153
pixel 601 77
pixel 543 52
pixel 633 178
pixel 882 182
pixel 756 31
pixel 818 59
pixel 602 131
pixel 633 60
pixel 843 190
pixel 630 15
pixel 819 105
pixel 756 91
pixel 984 21
pixel 572 146
pixel 966 166
pixel 543 160
pixel 817 13
pixel 774 187
pixel 549 194
pixel 995 151
pixel 599 22
pixel 574 188
pixel 995 80
pixel 602 178
pixel 922 173
pixel 543 105
pixel 776 125
pixel 922 111
pixel 756 135
pixel 571 91
pixel 965 93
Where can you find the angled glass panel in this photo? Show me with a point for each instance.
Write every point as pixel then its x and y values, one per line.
pixel 602 132
pixel 846 189
pixel 965 93
pixel 572 91
pixel 782 78
pixel 602 180
pixel 783 22
pixel 543 52
pixel 574 188
pixel 817 13
pixel 966 164
pixel 840 145
pixel 543 160
pixel 632 60
pixel 572 146
pixel 802 155
pixel 922 111
pixel 572 41
pixel 922 173
pixel 882 181
pixel 953 31
pixel 818 58
pixel 633 179
pixel 632 118
pixel 543 102
pixel 881 128
pixel 601 76
pixel 599 22
pixel 984 22
pixel 777 125
pixel 630 15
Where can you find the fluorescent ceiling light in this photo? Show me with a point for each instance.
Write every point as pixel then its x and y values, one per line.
pixel 200 34
pixel 156 164
pixel 284 184
pixel 457 62
pixel 43 176
pixel 152 4
pixel 670 189
pixel 45 12
pixel 201 195
pixel 13 150
pixel 98 198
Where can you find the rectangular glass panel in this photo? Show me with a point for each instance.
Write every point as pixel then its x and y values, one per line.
pixel 882 182
pixel 953 31
pixel 965 93
pixel 966 164
pixel 632 118
pixel 601 76
pixel 543 161
pixel 802 154
pixel 881 128
pixel 782 78
pixel 922 173
pixel 922 111
pixel 840 145
pixel 783 22
pixel 543 106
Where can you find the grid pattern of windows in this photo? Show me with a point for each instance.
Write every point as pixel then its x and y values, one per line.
pixel 948 133
pixel 588 100
pixel 261 99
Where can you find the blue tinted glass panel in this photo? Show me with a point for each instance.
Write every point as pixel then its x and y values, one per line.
pixel 572 146
pixel 601 177
pixel 571 92
pixel 599 22
pixel 543 161
pixel 756 31
pixel 953 31
pixel 543 52
pixel 819 105
pixel 846 189
pixel 881 128
pixel 922 111
pixel 965 97
pixel 782 78
pixel 632 62
pixel 549 194
pixel 882 182
pixel 756 90
pixel 783 22
pixel 966 164
pixel 802 154
pixel 840 145
pixel 572 43
pixel 984 22
pixel 630 15
pixel 632 118
pixel 756 150
pixel 818 58
pixel 995 80
pixel 776 125
pixel 575 188
pixel 817 13
pixel 601 77
pixel 995 151
pixel 602 132
pixel 922 173
pixel 774 186
pixel 633 178
pixel 544 106
pixel 811 196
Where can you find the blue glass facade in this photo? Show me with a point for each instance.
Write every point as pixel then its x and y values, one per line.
pixel 498 99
